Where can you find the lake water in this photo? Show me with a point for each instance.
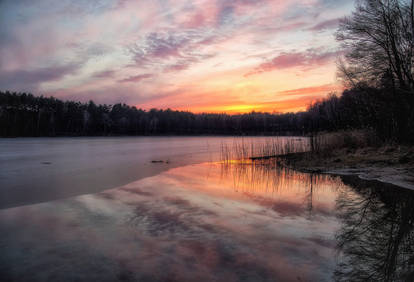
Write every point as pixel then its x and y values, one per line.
pixel 211 221
pixel 34 170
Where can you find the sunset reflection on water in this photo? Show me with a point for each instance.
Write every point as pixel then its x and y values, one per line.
pixel 208 222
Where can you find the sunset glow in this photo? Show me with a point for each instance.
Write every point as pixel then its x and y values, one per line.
pixel 232 56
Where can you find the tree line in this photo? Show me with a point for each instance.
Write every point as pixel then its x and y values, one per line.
pixel 23 114
pixel 387 112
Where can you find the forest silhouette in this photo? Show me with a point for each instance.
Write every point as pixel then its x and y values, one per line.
pixel 385 111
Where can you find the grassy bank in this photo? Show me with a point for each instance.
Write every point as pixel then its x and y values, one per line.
pixel 358 153
pixel 383 156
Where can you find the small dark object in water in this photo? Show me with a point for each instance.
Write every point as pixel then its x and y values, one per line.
pixel 337 160
pixel 46 163
pixel 157 161
pixel 262 158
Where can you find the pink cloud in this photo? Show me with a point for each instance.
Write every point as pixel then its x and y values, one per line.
pixel 104 74
pixel 328 24
pixel 201 14
pixel 136 78
pixel 180 66
pixel 309 59
pixel 26 80
pixel 171 51
pixel 283 61
pixel 195 20
pixel 326 88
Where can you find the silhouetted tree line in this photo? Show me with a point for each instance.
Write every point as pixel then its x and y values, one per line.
pixel 389 113
pixel 24 114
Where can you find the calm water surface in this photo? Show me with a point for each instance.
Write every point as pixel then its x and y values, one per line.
pixel 34 170
pixel 216 222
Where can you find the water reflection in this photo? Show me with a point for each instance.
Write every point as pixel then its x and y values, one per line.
pixel 215 222
pixel 286 191
pixel 376 239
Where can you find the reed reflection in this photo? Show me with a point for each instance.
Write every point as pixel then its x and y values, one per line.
pixel 376 239
pixel 287 191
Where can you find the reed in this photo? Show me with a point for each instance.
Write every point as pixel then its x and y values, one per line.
pixel 254 150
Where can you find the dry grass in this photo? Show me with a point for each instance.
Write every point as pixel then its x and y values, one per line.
pixel 348 158
pixel 325 143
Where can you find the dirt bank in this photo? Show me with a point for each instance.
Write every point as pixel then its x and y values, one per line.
pixel 389 164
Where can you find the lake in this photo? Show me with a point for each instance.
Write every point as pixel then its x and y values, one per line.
pixel 36 170
pixel 191 217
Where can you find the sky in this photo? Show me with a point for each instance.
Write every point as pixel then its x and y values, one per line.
pixel 229 56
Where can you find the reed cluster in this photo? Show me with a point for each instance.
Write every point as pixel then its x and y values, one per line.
pixel 254 150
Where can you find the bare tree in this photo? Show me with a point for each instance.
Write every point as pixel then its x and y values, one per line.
pixel 379 43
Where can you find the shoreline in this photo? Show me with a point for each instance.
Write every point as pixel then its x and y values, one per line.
pixel 392 165
pixel 396 176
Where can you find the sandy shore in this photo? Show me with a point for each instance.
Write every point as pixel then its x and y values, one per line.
pixel 394 165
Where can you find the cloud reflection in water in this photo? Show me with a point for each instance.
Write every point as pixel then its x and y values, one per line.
pixel 207 222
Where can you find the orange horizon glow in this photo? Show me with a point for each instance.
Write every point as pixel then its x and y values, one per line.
pixel 289 102
pixel 243 109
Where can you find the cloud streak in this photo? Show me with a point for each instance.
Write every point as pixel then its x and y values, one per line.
pixel 310 59
pixel 136 78
pixel 31 79
pixel 325 25
pixel 162 48
pixel 313 90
